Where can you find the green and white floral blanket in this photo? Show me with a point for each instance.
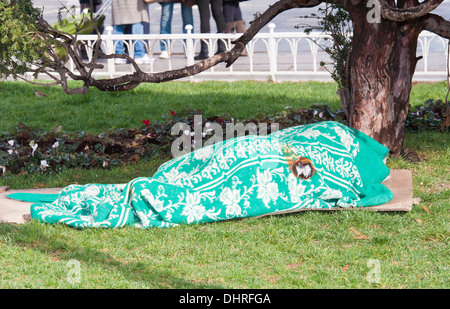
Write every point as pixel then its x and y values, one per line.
pixel 321 165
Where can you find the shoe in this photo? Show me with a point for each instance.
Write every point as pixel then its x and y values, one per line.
pixel 120 61
pixel 164 55
pixel 144 59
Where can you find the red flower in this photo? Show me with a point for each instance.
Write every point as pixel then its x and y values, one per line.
pixel 220 120
pixel 146 121
pixel 172 113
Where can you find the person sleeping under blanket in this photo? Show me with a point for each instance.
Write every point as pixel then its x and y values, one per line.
pixel 321 165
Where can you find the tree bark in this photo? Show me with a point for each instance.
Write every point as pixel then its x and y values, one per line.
pixel 383 62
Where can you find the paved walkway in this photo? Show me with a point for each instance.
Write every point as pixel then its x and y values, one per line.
pixel 285 22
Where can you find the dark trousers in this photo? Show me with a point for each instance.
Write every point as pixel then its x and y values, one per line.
pixel 216 8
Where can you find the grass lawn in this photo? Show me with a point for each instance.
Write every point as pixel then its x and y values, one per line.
pixel 305 250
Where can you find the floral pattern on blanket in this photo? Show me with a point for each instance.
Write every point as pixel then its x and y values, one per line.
pixel 242 177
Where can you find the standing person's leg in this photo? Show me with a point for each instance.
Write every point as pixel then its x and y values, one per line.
pixel 86 5
pixel 203 9
pixel 216 8
pixel 237 12
pixel 187 17
pixel 228 8
pixel 240 24
pixel 147 25
pixel 165 26
pixel 140 53
pixel 120 48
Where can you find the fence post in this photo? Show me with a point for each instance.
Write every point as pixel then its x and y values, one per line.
pixel 448 63
pixel 272 52
pixel 314 47
pixel 110 50
pixel 190 48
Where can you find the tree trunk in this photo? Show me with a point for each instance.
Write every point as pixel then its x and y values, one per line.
pixel 383 62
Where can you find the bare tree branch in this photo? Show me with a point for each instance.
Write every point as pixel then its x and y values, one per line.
pixel 404 14
pixel 131 81
pixel 437 24
pixel 262 20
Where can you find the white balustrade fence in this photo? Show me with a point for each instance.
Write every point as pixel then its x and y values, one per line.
pixel 272 55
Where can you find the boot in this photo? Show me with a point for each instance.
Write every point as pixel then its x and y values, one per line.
pixel 221 47
pixel 240 28
pixel 203 51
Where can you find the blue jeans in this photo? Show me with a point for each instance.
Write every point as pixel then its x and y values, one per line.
pixel 139 47
pixel 166 20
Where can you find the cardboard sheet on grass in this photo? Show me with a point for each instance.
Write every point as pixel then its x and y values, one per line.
pixel 400 183
pixel 324 165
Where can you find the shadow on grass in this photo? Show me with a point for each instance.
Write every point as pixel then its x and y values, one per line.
pixel 58 247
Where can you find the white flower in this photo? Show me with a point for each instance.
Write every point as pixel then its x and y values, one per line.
pixel 203 153
pixel 296 189
pixel 193 210
pixel 331 194
pixel 3 169
pixel 92 190
pixel 347 141
pixel 10 151
pixel 34 147
pixel 44 164
pixel 55 145
pixel 11 142
pixel 150 198
pixel 174 176
pixel 241 150
pixel 231 198
pixel 267 189
pixel 264 177
pixel 193 198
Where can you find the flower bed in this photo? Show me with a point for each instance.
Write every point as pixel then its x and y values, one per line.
pixel 28 150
